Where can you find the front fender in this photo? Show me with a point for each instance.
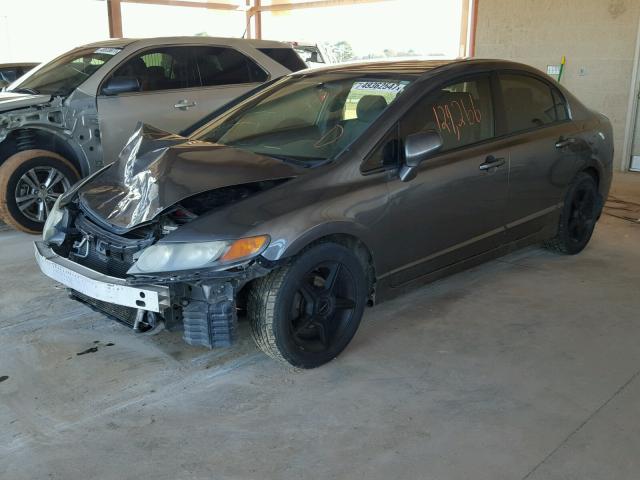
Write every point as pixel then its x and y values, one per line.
pixel 281 248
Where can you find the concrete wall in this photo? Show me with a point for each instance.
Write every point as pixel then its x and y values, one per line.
pixel 597 36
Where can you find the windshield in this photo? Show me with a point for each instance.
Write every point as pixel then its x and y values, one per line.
pixel 307 119
pixel 64 74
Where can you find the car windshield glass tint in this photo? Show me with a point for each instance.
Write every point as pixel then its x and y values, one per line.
pixel 62 75
pixel 306 120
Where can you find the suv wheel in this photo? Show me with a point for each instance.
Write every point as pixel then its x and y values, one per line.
pixel 30 183
pixel 578 217
pixel 307 312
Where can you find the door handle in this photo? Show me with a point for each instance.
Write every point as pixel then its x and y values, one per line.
pixel 492 162
pixel 565 142
pixel 184 105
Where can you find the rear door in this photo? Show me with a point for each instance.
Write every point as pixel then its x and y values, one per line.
pixel 224 73
pixel 179 85
pixel 541 140
pixel 454 208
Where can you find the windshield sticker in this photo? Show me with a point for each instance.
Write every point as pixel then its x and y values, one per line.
pixel 107 50
pixel 377 86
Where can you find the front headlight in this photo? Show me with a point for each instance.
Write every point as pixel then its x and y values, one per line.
pixel 53 219
pixel 171 257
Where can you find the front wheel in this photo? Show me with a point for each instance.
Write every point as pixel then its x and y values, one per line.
pixel 307 312
pixel 578 216
pixel 30 183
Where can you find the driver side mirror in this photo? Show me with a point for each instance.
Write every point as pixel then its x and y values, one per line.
pixel 418 147
pixel 117 85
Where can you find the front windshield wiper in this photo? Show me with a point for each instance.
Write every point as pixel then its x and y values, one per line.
pixel 31 91
pixel 308 162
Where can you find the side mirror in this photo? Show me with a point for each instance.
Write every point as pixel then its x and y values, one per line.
pixel 117 85
pixel 417 147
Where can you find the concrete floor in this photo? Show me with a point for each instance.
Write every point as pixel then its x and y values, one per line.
pixel 523 368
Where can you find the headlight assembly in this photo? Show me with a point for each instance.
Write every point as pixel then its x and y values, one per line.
pixel 171 257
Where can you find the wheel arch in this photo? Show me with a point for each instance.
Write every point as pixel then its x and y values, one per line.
pixel 33 137
pixel 346 234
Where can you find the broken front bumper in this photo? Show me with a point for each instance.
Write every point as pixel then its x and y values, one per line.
pixel 207 313
pixel 153 298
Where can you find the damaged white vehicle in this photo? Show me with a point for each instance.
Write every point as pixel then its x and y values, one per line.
pixel 69 117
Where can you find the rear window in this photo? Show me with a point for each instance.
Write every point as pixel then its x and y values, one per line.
pixel 286 57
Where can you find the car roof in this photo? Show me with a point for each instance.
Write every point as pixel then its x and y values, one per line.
pixel 411 66
pixel 18 64
pixel 154 41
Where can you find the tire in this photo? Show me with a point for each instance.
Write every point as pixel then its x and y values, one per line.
pixel 298 315
pixel 17 181
pixel 581 209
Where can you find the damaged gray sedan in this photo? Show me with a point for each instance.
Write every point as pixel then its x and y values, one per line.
pixel 327 191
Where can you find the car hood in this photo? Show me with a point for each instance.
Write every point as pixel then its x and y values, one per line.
pixel 156 170
pixel 11 101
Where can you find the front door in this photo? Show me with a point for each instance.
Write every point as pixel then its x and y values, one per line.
pixel 454 208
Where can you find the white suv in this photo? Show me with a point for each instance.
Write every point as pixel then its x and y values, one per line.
pixel 69 117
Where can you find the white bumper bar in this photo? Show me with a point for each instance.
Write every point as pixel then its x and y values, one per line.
pixel 96 285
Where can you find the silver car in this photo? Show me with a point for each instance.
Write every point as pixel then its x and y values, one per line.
pixel 10 72
pixel 69 117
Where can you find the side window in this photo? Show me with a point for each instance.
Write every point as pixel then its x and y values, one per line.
pixel 226 66
pixel 529 103
pixel 562 111
pixel 287 57
pixel 384 155
pixel 160 69
pixel 8 75
pixel 462 112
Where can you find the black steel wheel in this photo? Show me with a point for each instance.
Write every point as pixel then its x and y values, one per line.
pixel 578 218
pixel 307 312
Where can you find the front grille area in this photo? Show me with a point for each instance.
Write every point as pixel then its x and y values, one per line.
pixel 125 315
pixel 104 251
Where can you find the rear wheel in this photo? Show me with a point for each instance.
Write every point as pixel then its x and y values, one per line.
pixel 30 183
pixel 578 217
pixel 307 312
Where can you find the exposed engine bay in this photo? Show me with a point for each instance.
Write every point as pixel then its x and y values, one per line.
pixel 155 188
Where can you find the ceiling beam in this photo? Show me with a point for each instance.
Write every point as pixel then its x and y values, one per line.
pixel 281 7
pixel 189 3
pixel 115 18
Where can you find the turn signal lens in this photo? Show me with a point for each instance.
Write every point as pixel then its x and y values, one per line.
pixel 245 247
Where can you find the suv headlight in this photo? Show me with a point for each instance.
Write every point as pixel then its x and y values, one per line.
pixel 171 257
pixel 53 219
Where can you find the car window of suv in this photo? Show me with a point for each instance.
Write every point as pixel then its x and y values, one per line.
pixel 164 68
pixel 226 66
pixel 530 103
pixel 287 57
pixel 462 112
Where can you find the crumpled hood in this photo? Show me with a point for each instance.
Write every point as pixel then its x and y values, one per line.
pixel 156 170
pixel 11 101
